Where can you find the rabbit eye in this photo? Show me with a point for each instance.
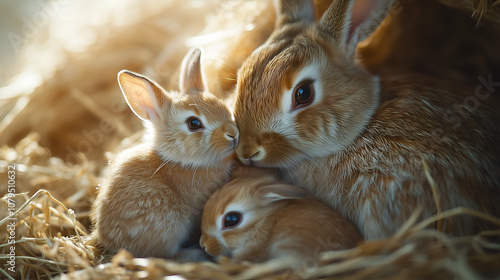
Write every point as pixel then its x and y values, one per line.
pixel 303 94
pixel 194 124
pixel 231 220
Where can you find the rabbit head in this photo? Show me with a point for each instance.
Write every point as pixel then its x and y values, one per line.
pixel 240 214
pixel 191 127
pixel 303 94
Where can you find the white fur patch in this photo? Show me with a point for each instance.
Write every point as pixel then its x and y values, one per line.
pixel 310 72
pixel 283 122
pixel 183 116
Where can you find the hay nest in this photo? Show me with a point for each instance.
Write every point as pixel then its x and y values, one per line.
pixel 53 242
pixel 63 117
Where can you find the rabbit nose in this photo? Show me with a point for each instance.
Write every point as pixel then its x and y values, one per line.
pixel 249 156
pixel 211 246
pixel 259 154
pixel 202 242
pixel 231 132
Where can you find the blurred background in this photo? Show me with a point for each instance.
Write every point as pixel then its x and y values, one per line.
pixel 11 23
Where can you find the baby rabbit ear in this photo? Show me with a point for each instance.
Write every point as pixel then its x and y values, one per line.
pixel 278 192
pixel 350 23
pixel 191 79
pixel 143 96
pixel 292 11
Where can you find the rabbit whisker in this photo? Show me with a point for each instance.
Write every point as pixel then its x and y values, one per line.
pixel 159 167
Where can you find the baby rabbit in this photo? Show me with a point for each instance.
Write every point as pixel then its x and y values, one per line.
pixel 261 219
pixel 153 195
pixel 359 143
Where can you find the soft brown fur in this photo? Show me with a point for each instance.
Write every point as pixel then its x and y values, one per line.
pixel 361 146
pixel 278 223
pixel 151 200
pixel 148 210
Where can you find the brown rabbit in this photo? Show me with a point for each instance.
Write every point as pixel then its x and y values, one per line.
pixel 261 219
pixel 153 195
pixel 308 108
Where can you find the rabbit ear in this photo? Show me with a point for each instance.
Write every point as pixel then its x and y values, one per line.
pixel 278 192
pixel 292 11
pixel 350 23
pixel 191 79
pixel 143 96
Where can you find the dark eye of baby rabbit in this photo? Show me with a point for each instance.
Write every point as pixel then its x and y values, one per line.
pixel 231 220
pixel 194 124
pixel 303 94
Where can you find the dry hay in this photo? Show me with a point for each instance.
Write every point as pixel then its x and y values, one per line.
pixel 63 117
pixel 415 252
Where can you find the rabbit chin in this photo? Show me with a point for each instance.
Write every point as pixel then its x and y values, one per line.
pixel 281 157
pixel 199 160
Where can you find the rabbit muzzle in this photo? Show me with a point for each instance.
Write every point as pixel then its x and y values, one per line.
pixel 210 245
pixel 268 149
pixel 251 155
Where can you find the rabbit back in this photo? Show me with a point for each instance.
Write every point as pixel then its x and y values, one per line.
pixel 306 228
pixel 150 207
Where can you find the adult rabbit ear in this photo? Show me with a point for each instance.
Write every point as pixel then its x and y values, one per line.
pixel 191 79
pixel 276 192
pixel 293 11
pixel 143 96
pixel 350 23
